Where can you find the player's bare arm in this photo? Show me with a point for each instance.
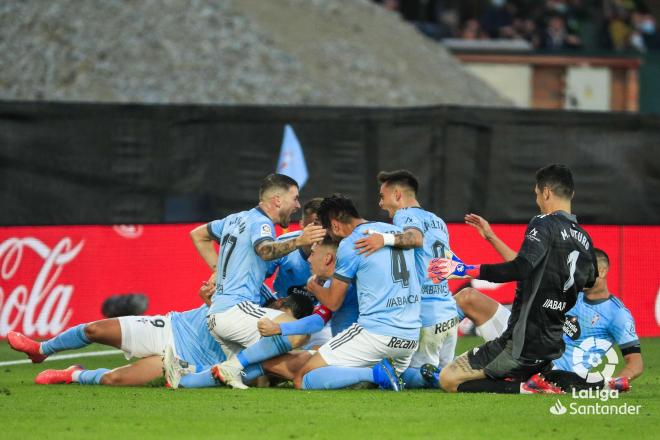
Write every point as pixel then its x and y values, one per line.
pixel 409 239
pixel 204 244
pixel 332 297
pixel 483 227
pixel 634 366
pixel 272 250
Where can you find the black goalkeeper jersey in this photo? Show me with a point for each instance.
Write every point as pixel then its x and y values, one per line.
pixel 561 255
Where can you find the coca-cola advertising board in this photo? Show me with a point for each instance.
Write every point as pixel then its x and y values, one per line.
pixel 54 277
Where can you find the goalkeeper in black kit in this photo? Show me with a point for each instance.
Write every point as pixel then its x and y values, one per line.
pixel 554 263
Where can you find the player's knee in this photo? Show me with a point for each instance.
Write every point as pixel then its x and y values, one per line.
pixel 466 298
pixel 448 381
pixel 298 340
pixel 111 378
pixel 93 331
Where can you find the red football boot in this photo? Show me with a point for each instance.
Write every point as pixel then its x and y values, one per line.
pixel 538 385
pixel 622 384
pixel 50 377
pixel 20 342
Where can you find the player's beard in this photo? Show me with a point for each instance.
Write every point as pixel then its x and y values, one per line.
pixel 286 219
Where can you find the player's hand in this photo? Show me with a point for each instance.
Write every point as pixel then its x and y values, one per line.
pixel 441 269
pixel 480 224
pixel 369 244
pixel 311 234
pixel 207 290
pixel 268 327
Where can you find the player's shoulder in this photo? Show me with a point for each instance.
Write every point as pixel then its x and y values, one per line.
pixel 618 307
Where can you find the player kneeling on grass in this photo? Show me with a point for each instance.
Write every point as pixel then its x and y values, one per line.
pixel 556 261
pixel 388 303
pixel 597 315
pixel 144 337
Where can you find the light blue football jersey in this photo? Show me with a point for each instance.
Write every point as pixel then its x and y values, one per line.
pixel 347 314
pixel 588 322
pixel 192 339
pixel 294 270
pixel 240 271
pixel 438 304
pixel 387 289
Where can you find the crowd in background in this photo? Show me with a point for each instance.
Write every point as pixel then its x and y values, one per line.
pixel 550 25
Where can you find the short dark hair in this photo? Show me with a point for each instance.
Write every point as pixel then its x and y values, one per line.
pixel 312 206
pixel 299 304
pixel 399 177
pixel 558 178
pixel 602 256
pixel 276 181
pixel 329 241
pixel 337 207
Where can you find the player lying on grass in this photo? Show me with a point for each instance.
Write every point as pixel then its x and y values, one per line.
pixel 279 336
pixel 555 262
pixel 144 337
pixel 596 314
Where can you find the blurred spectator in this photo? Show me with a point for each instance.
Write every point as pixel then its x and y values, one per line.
pixel 546 24
pixel 557 37
pixel 472 31
pixel 497 21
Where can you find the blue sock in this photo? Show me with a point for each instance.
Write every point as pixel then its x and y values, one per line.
pixel 264 349
pixel 74 337
pixel 251 372
pixel 414 379
pixel 203 379
pixel 91 377
pixel 330 378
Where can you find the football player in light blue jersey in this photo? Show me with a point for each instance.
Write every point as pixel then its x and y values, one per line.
pixel 247 243
pixel 293 269
pixel 427 234
pixel 388 301
pixel 143 337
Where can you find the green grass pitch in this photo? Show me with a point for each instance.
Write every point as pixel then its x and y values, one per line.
pixel 29 411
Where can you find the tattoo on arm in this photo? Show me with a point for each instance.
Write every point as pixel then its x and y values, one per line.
pixel 408 239
pixel 272 250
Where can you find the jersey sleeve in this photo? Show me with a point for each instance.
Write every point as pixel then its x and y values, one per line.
pixel 261 231
pixel 347 262
pixel 537 240
pixel 623 330
pixel 324 312
pixel 214 229
pixel 407 220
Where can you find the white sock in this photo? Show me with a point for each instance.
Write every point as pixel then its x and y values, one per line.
pixel 234 362
pixel 487 330
pixel 76 375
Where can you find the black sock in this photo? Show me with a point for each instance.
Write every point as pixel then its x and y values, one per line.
pixel 567 381
pixel 489 386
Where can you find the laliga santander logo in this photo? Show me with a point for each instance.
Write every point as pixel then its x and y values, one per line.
pixel 591 351
pixel 49 299
pixel 558 408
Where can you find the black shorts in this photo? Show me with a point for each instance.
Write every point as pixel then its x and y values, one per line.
pixel 496 359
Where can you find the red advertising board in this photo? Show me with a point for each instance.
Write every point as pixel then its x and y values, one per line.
pixel 54 277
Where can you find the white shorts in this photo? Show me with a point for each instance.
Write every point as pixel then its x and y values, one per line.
pixel 319 338
pixel 357 347
pixel 236 328
pixel 143 336
pixel 437 344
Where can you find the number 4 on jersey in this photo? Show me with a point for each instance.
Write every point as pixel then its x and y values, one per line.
pixel 400 273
